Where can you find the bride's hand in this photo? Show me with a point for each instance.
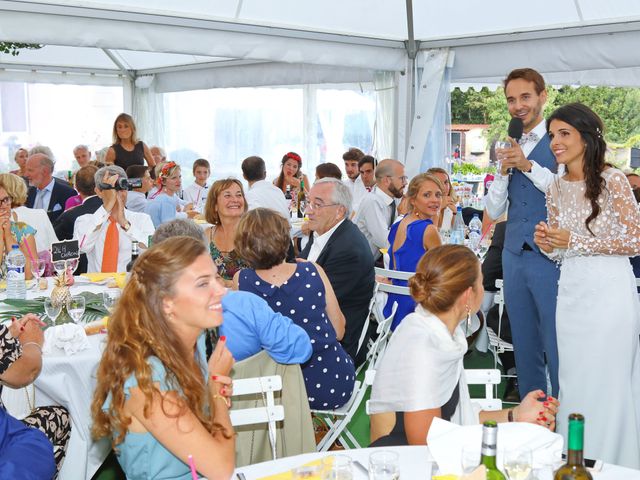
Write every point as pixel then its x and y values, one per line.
pixel 532 410
pixel 540 237
pixel 558 237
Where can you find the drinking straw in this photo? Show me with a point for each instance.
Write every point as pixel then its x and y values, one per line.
pixel 192 466
pixel 26 244
pixel 82 240
pixel 485 233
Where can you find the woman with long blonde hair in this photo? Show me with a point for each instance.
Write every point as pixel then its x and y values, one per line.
pixel 448 209
pixel 157 397
pixel 127 148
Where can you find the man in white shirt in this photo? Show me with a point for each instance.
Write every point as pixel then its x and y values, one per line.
pixel 196 193
pixel 137 198
pixel 262 193
pixel 530 278
pixel 82 155
pixel 106 253
pixel 378 208
pixel 367 169
pixel 353 181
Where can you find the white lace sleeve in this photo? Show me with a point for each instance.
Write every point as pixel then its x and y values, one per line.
pixel 621 215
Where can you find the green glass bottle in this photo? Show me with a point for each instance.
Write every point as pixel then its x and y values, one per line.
pixel 301 201
pixel 489 450
pixel 574 469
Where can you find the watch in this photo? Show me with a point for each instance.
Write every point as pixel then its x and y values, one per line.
pixel 126 226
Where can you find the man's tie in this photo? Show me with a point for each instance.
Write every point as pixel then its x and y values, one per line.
pixel 111 247
pixel 393 212
pixel 38 202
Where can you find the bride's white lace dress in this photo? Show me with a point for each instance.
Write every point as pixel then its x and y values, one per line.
pixel 598 317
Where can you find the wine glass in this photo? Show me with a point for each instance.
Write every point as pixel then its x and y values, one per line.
pixel 517 463
pixel 75 307
pixel 52 310
pixel 72 264
pixel 110 298
pixel 38 266
pixel 60 266
pixel 499 147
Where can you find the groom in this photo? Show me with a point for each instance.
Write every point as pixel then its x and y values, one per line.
pixel 530 278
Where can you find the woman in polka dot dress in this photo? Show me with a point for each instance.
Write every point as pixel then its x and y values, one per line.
pixel 303 293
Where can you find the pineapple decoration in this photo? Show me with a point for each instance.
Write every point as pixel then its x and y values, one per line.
pixel 60 293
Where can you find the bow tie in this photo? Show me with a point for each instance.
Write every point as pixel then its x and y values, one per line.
pixel 529 137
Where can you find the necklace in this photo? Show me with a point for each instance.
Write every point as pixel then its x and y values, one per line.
pixel 31 402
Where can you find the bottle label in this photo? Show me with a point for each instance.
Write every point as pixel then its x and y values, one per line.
pixel 15 272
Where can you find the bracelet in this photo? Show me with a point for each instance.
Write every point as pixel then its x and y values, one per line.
pixel 226 401
pixel 510 415
pixel 33 343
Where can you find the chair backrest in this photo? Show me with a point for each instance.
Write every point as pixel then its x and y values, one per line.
pixel 269 412
pixel 487 377
pixel 395 274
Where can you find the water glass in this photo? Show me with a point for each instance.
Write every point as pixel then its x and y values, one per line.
pixel 51 310
pixel 384 465
pixel 110 298
pixel 517 463
pixel 337 467
pixel 75 307
pixel 470 458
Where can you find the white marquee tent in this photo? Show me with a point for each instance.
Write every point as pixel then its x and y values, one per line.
pixel 196 44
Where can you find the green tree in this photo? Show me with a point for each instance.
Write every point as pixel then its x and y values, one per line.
pixel 13 48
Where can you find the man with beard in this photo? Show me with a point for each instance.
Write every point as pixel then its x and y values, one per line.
pixel 353 181
pixel 530 278
pixel 378 208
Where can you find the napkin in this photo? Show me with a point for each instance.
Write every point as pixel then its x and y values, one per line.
pixel 288 475
pixel 120 278
pixel 446 440
pixel 68 338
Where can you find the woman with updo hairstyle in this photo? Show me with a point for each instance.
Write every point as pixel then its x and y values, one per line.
pixel 158 400
pixel 412 236
pixel 448 209
pixel 421 375
pixel 291 174
pixel 302 292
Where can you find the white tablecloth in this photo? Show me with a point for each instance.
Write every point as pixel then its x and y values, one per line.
pixel 69 381
pixel 415 464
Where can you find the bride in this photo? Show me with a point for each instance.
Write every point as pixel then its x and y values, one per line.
pixel 594 226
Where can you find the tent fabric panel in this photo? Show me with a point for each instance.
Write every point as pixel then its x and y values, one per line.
pixel 257 75
pixel 123 35
pixel 62 56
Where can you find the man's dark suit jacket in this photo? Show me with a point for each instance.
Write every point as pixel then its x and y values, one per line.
pixel 347 260
pixel 63 226
pixel 59 195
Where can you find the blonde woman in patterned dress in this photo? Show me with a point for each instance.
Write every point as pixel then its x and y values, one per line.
pixel 594 226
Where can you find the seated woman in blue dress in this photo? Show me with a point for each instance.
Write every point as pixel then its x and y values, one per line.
pixel 33 448
pixel 421 375
pixel 302 292
pixel 157 397
pixel 165 205
pixel 412 236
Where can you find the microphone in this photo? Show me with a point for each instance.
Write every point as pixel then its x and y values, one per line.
pixel 515 130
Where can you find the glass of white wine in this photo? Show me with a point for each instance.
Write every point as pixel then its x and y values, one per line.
pixel 517 463
pixel 76 307
pixel 52 310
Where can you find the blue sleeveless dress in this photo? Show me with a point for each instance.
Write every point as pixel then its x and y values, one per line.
pixel 329 374
pixel 405 259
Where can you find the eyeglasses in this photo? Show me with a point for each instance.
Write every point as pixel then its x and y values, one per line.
pixel 404 178
pixel 317 206
pixel 5 201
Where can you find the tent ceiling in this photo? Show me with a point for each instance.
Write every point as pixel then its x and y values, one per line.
pixel 151 36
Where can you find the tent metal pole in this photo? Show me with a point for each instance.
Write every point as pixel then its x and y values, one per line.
pixel 119 64
pixel 411 44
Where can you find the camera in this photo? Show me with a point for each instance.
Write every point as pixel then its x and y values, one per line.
pixel 122 184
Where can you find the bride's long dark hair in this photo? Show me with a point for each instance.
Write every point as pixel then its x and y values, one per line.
pixel 591 129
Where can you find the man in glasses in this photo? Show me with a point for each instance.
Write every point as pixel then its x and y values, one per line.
pixel 378 208
pixel 342 251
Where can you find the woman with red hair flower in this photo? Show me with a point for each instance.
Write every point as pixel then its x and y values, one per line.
pixel 291 175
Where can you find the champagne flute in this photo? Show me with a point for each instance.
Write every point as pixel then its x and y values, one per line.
pixel 517 463
pixel 38 266
pixel 72 264
pixel 52 310
pixel 60 266
pixel 76 307
pixel 499 148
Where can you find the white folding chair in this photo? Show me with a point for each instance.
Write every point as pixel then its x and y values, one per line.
pixel 269 412
pixel 338 420
pixel 490 378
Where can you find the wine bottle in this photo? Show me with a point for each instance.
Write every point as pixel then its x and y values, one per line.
pixel 135 251
pixel 574 469
pixel 301 201
pixel 489 450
